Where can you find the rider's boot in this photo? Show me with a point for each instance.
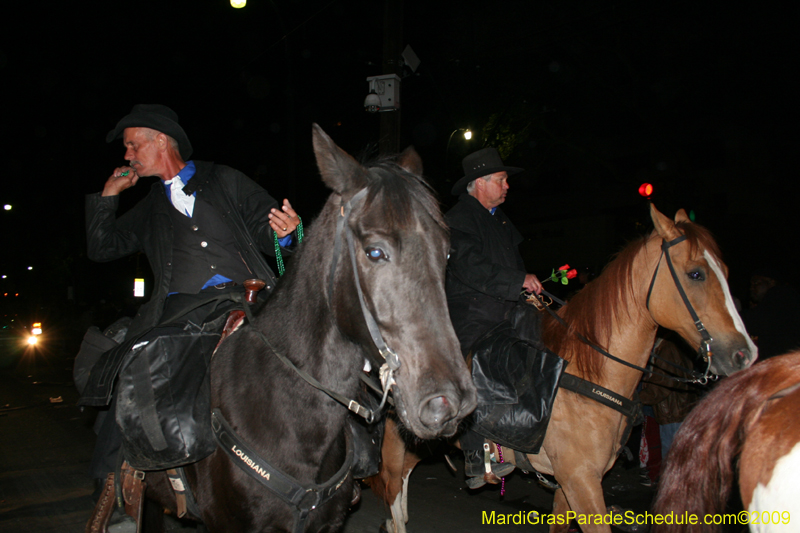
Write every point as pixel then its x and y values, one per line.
pixel 475 468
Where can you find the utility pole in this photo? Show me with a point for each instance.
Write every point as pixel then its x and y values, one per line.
pixel 389 142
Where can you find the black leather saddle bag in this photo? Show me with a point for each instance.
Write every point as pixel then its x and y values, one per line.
pixel 517 384
pixel 163 407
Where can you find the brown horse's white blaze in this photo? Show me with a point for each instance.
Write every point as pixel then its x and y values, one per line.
pixel 703 277
pixel 583 436
pixel 740 358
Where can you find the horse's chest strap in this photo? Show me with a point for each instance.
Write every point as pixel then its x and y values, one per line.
pixel 303 498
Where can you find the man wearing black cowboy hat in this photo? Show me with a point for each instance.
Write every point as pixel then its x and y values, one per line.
pixel 201 225
pixel 485 272
pixel 203 228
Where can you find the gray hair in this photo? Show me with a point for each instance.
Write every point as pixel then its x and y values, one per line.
pixel 471 184
pixel 151 134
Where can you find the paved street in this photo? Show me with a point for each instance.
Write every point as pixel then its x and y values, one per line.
pixel 47 441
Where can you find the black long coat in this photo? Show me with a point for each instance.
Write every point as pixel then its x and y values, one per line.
pixel 485 271
pixel 147 227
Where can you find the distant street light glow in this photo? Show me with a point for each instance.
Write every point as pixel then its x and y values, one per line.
pixel 30 268
pixel 468 134
pixel 7 207
pixel 238 3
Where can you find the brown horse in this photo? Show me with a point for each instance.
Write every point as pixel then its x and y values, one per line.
pixel 619 311
pixel 749 425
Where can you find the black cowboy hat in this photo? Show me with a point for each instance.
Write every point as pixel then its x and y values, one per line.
pixel 481 163
pixel 154 116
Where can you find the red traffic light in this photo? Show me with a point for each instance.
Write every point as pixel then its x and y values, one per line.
pixel 646 190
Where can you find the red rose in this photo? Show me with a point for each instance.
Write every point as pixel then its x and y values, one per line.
pixel 572 273
pixel 565 267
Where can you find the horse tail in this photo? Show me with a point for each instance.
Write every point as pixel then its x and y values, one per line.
pixel 700 470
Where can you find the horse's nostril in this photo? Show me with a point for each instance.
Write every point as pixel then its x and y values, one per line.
pixel 742 358
pixel 436 411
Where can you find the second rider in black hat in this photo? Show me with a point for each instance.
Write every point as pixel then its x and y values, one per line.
pixel 485 272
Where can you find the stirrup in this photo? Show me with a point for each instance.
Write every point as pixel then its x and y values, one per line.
pixel 493 472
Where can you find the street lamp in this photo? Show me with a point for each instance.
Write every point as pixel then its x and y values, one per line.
pixel 467 136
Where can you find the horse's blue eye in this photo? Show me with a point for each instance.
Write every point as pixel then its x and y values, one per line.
pixel 696 275
pixel 376 253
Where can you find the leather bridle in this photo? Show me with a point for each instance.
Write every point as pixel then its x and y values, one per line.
pixel 705 346
pixel 390 356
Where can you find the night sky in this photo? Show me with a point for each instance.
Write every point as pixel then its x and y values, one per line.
pixel 591 97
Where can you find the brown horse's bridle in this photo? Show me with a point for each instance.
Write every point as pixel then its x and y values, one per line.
pixel 705 345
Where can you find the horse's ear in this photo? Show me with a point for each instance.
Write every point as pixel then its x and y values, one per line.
pixel 410 161
pixel 340 171
pixel 664 226
pixel 681 216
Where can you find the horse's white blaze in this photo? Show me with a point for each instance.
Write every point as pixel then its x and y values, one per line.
pixel 779 498
pixel 737 319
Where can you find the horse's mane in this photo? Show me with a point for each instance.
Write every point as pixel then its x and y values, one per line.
pixel 593 310
pixel 399 192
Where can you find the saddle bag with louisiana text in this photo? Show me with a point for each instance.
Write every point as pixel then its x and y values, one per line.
pixel 517 384
pixel 163 403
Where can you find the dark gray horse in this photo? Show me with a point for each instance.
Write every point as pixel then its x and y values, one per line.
pixel 380 240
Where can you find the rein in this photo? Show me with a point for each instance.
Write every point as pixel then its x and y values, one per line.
pixel 351 404
pixel 701 379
